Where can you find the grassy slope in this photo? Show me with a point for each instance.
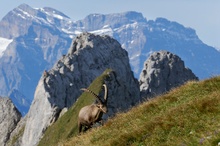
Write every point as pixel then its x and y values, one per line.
pixel 188 115
pixel 66 126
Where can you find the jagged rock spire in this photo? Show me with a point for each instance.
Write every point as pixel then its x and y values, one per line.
pixel 162 72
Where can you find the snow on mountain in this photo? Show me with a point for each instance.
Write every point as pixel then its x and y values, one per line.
pixel 4 44
pixel 17 21
pixel 107 30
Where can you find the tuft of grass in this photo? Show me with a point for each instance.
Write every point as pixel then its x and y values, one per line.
pixel 66 126
pixel 188 115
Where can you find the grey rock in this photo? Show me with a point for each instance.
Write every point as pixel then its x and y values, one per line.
pixel 88 57
pixel 163 71
pixel 122 94
pixel 9 117
pixel 17 133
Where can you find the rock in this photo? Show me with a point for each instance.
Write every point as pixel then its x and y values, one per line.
pixel 9 117
pixel 162 72
pixel 88 57
pixel 17 133
pixel 63 111
pixel 122 94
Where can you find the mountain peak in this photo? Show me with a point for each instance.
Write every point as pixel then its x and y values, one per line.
pixel 16 22
pixel 133 15
pixel 85 40
pixel 24 6
pixel 129 16
pixel 24 11
pixel 97 21
pixel 53 12
pixel 175 29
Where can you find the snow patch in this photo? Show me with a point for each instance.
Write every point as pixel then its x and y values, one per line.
pixel 21 16
pixel 67 31
pixel 135 56
pixel 217 48
pixel 53 14
pixel 105 30
pixel 71 36
pixel 4 44
pixel 133 25
pixel 24 14
pixel 58 16
pixel 78 32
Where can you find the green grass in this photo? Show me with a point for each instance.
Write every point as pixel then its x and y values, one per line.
pixel 66 126
pixel 186 116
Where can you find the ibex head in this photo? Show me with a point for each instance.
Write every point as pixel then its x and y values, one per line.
pixel 90 114
pixel 102 105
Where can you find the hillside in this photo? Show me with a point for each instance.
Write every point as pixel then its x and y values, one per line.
pixel 66 126
pixel 188 115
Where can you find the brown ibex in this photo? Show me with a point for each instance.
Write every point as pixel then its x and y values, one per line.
pixel 91 114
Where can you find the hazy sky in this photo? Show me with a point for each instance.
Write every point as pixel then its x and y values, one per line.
pixel 201 15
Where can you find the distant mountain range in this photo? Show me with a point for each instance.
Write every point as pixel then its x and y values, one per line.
pixel 33 39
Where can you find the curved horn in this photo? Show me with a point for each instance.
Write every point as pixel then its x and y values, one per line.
pixel 87 90
pixel 106 92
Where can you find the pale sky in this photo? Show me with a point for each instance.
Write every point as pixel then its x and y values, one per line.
pixel 201 15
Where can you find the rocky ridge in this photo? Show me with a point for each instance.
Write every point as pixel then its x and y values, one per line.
pixel 163 71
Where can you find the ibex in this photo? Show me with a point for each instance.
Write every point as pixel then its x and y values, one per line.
pixel 91 114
